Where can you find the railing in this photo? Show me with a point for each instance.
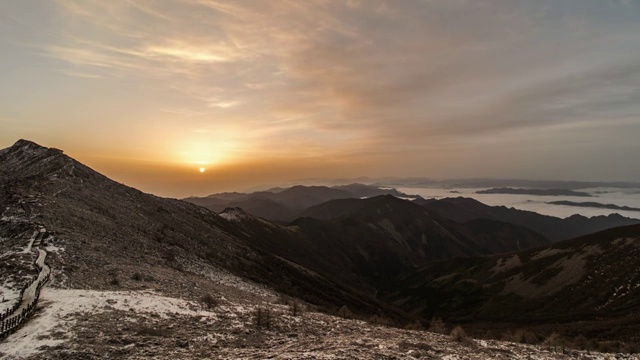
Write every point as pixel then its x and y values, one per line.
pixel 13 317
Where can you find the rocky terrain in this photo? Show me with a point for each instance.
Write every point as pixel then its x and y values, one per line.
pixel 137 276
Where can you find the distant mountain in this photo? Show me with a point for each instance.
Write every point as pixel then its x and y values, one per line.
pixel 439 237
pixel 369 242
pixel 595 205
pixel 284 204
pixel 592 282
pixel 463 210
pixel 536 192
pixel 497 183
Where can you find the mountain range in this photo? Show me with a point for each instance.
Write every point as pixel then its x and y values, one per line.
pixel 364 249
pixel 285 204
pixel 463 210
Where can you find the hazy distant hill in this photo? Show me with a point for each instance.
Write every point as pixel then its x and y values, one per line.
pixel 591 204
pixel 537 192
pixel 284 204
pixel 465 209
pixel 501 183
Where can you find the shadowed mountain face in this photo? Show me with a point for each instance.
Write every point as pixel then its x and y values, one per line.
pixel 370 242
pixel 438 237
pixel 383 237
pixel 286 204
pixel 465 209
pixel 590 278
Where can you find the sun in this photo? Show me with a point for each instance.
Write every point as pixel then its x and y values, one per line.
pixel 202 169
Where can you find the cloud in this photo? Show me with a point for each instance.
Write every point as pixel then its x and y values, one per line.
pixel 81 75
pixel 362 79
pixel 182 112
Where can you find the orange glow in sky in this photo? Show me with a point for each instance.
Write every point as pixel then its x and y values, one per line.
pixel 264 92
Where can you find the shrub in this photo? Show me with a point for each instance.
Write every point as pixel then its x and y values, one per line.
pixel 295 308
pixel 149 331
pixel 524 337
pixel 580 342
pixel 209 301
pixel 263 318
pixel 554 342
pixel 631 348
pixel 459 335
pixel 374 320
pixel 414 326
pixel 136 276
pixel 607 347
pixel 521 336
pixel 284 300
pixel 345 313
pixel 436 325
pixel 114 281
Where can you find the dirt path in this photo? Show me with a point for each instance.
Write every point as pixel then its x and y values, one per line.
pixel 33 239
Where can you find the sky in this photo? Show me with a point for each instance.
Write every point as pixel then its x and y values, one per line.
pixel 263 92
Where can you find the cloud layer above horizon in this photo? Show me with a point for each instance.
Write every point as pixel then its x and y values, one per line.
pixel 276 90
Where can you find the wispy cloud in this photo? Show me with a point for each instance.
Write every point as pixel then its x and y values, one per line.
pixel 183 112
pixel 361 79
pixel 81 75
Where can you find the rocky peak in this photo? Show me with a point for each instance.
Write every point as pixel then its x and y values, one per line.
pixel 26 159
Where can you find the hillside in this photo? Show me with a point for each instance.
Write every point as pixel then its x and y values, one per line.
pixel 465 209
pixel 101 224
pixel 368 243
pixel 433 236
pixel 592 282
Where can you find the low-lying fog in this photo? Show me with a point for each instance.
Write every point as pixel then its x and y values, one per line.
pixel 540 204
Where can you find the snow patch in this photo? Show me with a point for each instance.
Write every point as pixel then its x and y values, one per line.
pixel 54 249
pixel 9 293
pixel 233 215
pixel 507 264
pixel 60 308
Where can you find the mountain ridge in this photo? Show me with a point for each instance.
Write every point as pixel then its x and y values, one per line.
pixel 286 204
pixel 463 209
pixel 572 281
pixel 123 231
